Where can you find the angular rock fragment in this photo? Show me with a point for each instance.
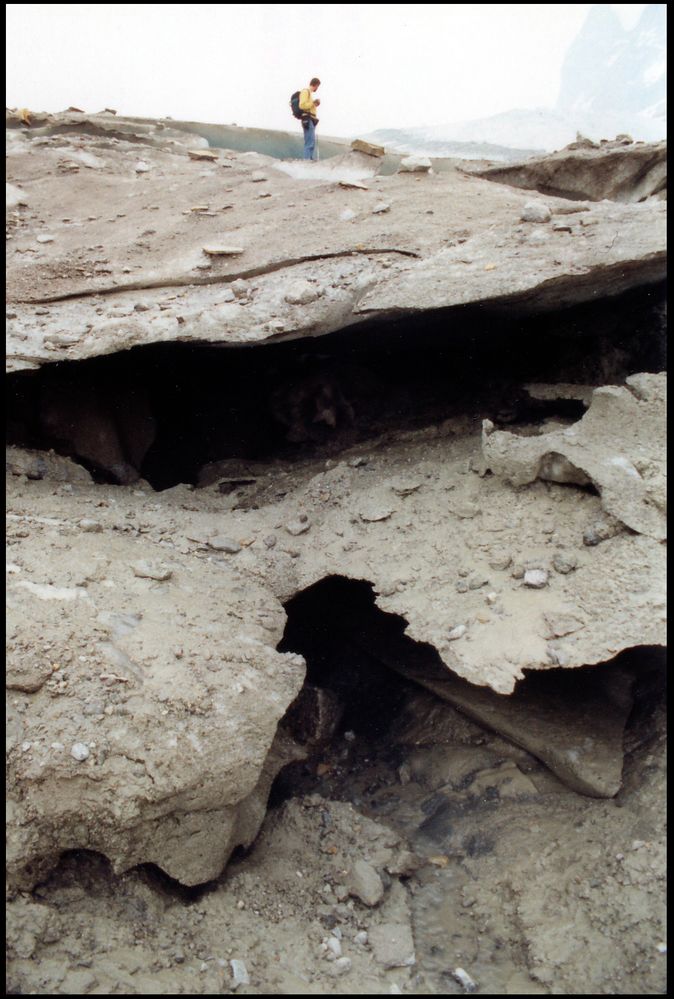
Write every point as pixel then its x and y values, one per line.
pixel 364 882
pixel 618 446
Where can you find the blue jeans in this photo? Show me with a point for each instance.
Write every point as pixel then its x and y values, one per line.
pixel 309 139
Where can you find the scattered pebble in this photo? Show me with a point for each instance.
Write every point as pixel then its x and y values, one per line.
pixel 415 164
pixel 458 632
pixel 375 513
pixel 347 215
pixel 464 979
pixel 79 751
pixel 142 167
pixel 220 250
pixel 239 973
pixel 365 883
pixel 381 208
pixel 600 531
pixel 334 946
pixel 564 563
pixel 342 966
pixel 296 527
pixel 148 570
pixel 221 544
pixel 536 578
pixel 90 526
pixel 536 211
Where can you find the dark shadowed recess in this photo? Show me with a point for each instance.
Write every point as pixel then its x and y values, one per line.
pixel 337 627
pixel 178 407
pixel 330 624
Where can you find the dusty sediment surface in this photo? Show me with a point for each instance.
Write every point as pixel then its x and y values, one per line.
pixel 447 537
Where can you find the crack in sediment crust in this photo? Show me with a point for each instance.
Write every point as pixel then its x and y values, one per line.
pixel 271 268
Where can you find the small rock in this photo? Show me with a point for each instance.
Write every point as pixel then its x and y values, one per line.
pixel 221 544
pixel 142 167
pixel 536 578
pixel 147 570
pixel 239 973
pixel 27 675
pixel 334 946
pixel 415 164
pixel 347 215
pixel 258 177
pixel 462 586
pixel 464 979
pixel 222 251
pixel 500 562
pixel 342 966
pixel 361 938
pixel 361 146
pixel 375 513
pixel 517 571
pixel 90 526
pixel 240 288
pixel 536 211
pixel 380 209
pixel 45 239
pixel 302 293
pixel 458 632
pixel 365 883
pixel 353 185
pixel 564 563
pixel 269 541
pixel 79 751
pixel 600 531
pixel 296 527
pixel 475 582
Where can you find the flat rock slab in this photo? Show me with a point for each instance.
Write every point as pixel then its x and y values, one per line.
pixel 576 730
pixel 154 247
pixel 223 251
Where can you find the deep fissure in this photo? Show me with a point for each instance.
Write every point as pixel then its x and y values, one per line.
pixel 163 412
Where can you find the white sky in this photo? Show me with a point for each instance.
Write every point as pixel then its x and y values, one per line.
pixel 381 66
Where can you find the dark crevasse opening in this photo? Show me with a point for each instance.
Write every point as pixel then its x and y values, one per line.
pixel 163 412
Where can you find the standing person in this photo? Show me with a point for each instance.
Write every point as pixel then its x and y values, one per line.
pixel 308 107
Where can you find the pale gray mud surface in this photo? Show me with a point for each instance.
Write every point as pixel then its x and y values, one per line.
pixel 335 575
